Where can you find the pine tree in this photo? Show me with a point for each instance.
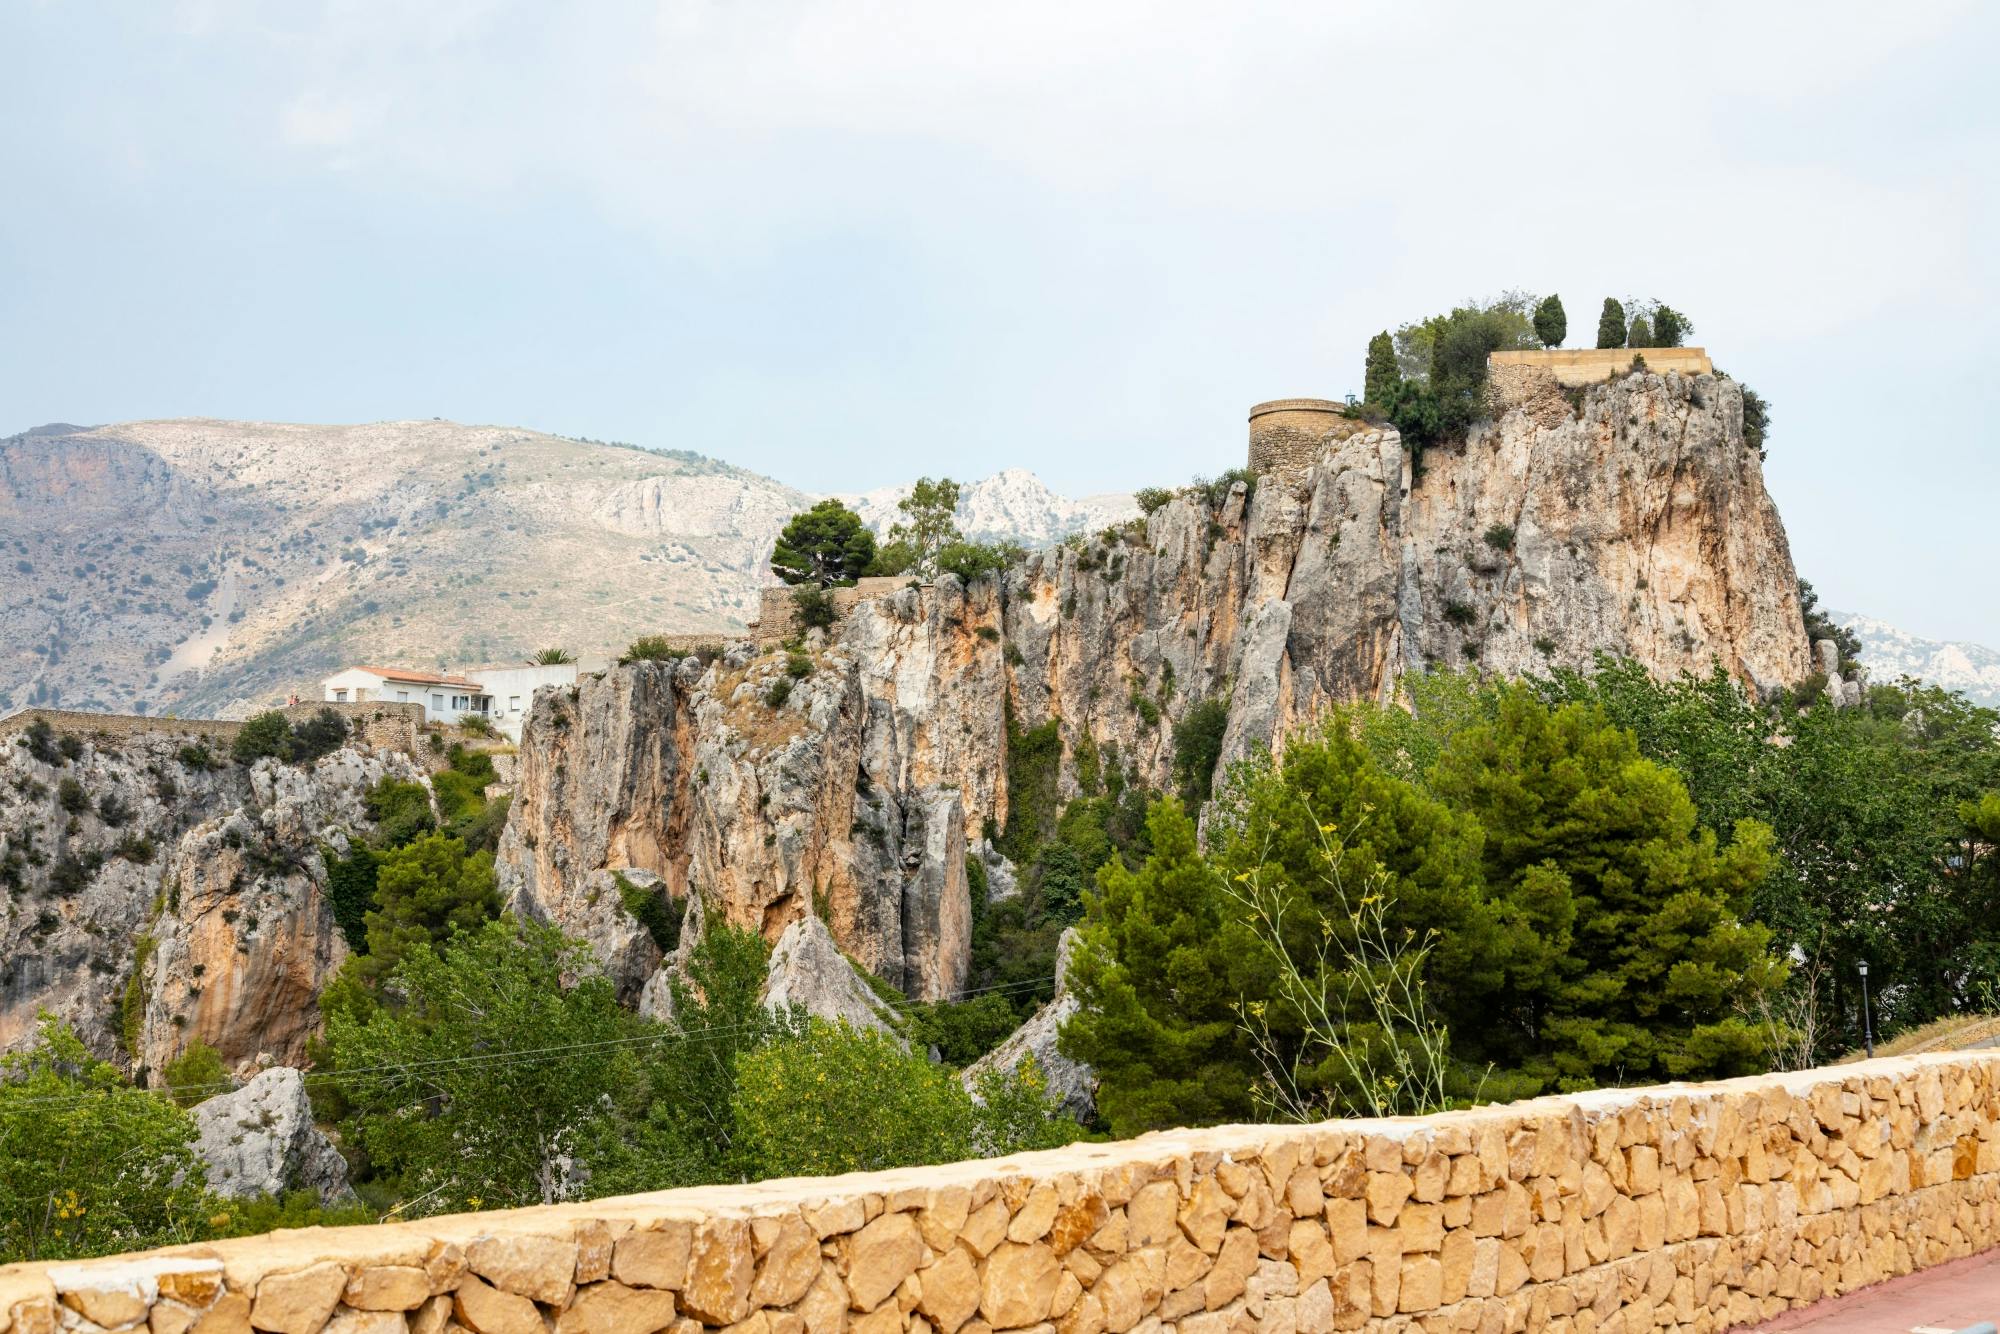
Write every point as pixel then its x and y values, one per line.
pixel 1382 374
pixel 1551 324
pixel 1611 324
pixel 826 544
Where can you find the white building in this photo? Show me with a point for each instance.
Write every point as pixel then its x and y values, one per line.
pixel 500 695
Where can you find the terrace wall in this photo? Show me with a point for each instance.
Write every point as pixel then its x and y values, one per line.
pixel 1677 1208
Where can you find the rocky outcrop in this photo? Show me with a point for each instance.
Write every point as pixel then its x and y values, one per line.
pixel 808 970
pixel 1070 1083
pixel 260 1140
pixel 156 892
pixel 1635 523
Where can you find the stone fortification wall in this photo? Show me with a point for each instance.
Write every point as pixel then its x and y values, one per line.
pixel 382 726
pixel 1679 1208
pixel 1574 366
pixel 1290 434
pixel 778 612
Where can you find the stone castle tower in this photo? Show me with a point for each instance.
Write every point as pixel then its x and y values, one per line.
pixel 1289 434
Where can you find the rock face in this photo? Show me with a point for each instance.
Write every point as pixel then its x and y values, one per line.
pixel 260 1140
pixel 1071 1083
pixel 153 897
pixel 807 970
pixel 1635 524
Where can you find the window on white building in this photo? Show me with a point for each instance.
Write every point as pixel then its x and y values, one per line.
pixel 340 697
pixel 513 703
pixel 403 696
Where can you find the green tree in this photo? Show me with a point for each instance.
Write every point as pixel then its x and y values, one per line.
pixel 425 891
pixel 832 1099
pixel 928 524
pixel 1160 969
pixel 688 1133
pixel 1381 375
pixel 1640 334
pixel 1198 749
pixel 1611 324
pixel 551 657
pixel 1643 962
pixel 321 734
pixel 1670 327
pixel 827 544
pixel 1551 324
pixel 499 1077
pixel 90 1165
pixel 263 734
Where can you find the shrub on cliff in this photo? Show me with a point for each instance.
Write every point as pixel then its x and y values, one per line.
pixel 263 734
pixel 1551 324
pixel 1151 498
pixel 1611 324
pixel 975 560
pixel 825 545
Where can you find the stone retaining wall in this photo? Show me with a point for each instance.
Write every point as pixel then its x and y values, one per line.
pixel 389 726
pixel 1574 366
pixel 1678 1208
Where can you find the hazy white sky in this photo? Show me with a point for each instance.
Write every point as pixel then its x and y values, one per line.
pixel 848 243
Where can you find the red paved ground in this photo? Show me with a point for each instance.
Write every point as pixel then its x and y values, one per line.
pixel 1949 1296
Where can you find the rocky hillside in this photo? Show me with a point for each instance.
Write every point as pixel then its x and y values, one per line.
pixel 1637 524
pixel 151 892
pixel 151 897
pixel 205 567
pixel 1888 653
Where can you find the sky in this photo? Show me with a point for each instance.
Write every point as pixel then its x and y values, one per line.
pixel 849 243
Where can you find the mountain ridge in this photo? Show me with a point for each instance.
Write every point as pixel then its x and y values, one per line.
pixel 208 566
pixel 1889 651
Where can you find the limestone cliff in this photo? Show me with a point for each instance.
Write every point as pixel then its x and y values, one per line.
pixel 154 892
pixel 1633 522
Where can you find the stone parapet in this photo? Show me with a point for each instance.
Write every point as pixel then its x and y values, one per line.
pixel 1575 366
pixel 1677 1208
pixel 389 726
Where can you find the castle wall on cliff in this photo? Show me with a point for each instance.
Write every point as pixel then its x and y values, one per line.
pixel 1677 1209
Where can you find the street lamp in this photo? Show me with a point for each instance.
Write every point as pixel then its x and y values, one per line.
pixel 1867 1024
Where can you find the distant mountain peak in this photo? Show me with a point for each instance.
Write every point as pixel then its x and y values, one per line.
pixel 1012 505
pixel 1889 652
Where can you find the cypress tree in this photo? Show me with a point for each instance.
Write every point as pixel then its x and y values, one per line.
pixel 1641 333
pixel 1611 324
pixel 1382 377
pixel 1551 324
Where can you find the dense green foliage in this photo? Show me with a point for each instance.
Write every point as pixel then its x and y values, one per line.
pixel 975 560
pixel 196 1074
pixel 1551 323
pixel 1756 420
pixel 825 545
pixel 828 1099
pixel 1611 324
pixel 1442 363
pixel 1575 924
pixel 1639 333
pixel 1198 749
pixel 476 1133
pixel 89 1164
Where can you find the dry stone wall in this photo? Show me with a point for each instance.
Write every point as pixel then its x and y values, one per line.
pixel 384 726
pixel 1679 1208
